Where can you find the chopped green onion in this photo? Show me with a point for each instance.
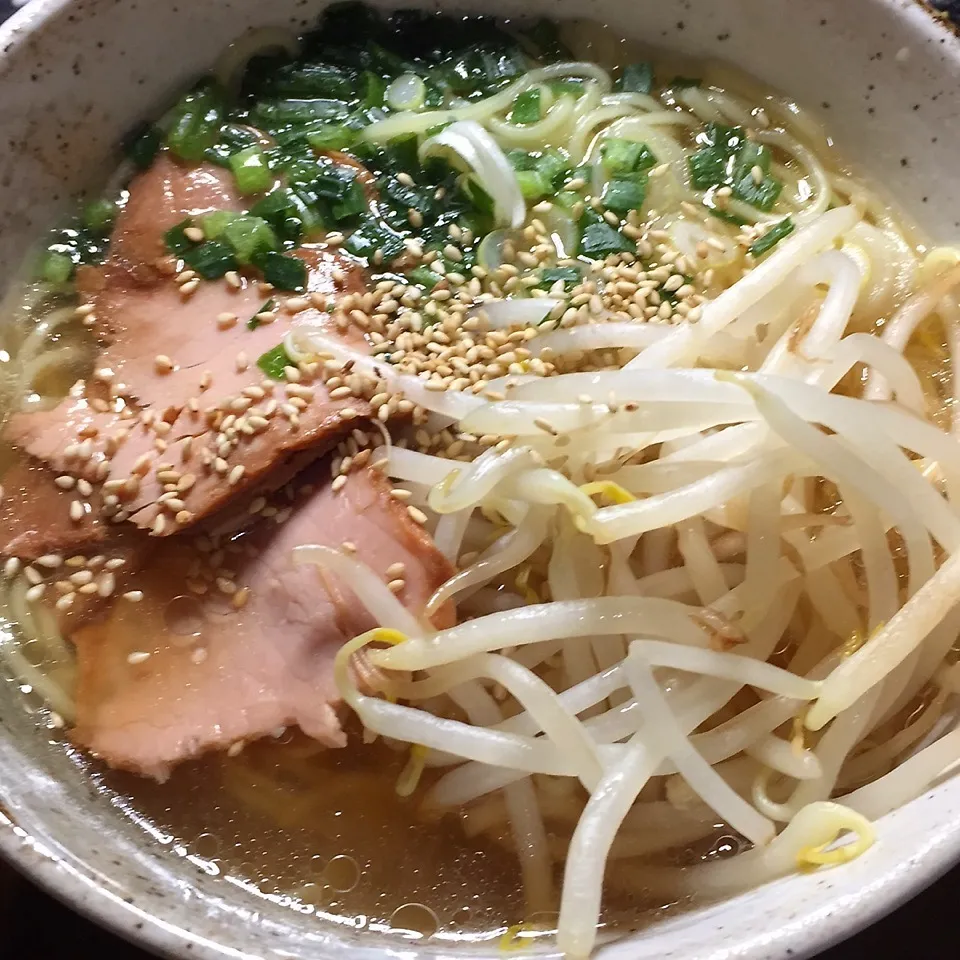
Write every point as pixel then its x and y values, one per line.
pixel 211 259
pixel 249 236
pixel 332 136
pixel 622 196
pixel 566 87
pixel 599 240
pixel 98 216
pixel 57 268
pixel 626 156
pixel 407 92
pixel 273 362
pixel 636 78
pixel 526 108
pixel 570 276
pixel 213 224
pixel 533 186
pixel 552 165
pixel 176 240
pixel 353 201
pixel 423 277
pixel 285 273
pixel 762 195
pixel 253 322
pixel 772 237
pixel 373 89
pixel 142 145
pixel 196 122
pixel 251 171
pixel 372 237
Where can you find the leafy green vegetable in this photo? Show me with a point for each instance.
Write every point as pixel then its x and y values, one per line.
pixel 622 196
pixel 285 273
pixel 566 87
pixel 273 362
pixel 526 108
pixel 196 122
pixel 251 171
pixel 772 237
pixel 211 259
pixel 636 78
pixel 599 240
pixel 626 156
pixel 254 322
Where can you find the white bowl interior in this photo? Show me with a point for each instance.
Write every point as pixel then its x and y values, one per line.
pixel 75 75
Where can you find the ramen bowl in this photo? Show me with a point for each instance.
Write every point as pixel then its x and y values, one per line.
pixel 76 75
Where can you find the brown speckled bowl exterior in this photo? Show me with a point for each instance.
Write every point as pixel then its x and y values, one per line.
pixel 76 74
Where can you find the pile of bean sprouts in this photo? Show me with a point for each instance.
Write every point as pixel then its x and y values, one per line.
pixel 702 591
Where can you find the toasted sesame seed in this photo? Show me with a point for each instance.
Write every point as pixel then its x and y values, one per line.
pixel 76 511
pixel 195 234
pixel 396 570
pixel 115 564
pixel 233 279
pixel 134 596
pixel 338 483
pixel 159 525
pixel 236 474
pixel 35 592
pixel 348 546
pixel 226 320
pixel 189 288
pixel 65 482
pixel 33 575
pixel 162 363
pixel 12 567
pixel 396 585
pixel 241 597
pixel 137 657
pixel 418 516
pixel 66 601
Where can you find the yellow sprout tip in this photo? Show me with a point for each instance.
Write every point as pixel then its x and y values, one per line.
pixel 609 489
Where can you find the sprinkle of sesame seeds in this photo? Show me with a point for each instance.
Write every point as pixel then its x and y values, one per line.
pixel 162 363
pixel 226 320
pixel 76 511
pixel 35 593
pixel 236 474
pixel 65 482
pixel 396 585
pixel 134 596
pixel 396 570
pixel 232 279
pixel 338 483
pixel 189 288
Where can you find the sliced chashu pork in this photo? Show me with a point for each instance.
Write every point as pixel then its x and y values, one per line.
pixel 142 316
pixel 215 675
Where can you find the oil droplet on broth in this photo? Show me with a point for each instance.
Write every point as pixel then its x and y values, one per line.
pixel 342 874
pixel 414 921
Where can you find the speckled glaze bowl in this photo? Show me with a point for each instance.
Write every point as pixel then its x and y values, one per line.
pixel 76 74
